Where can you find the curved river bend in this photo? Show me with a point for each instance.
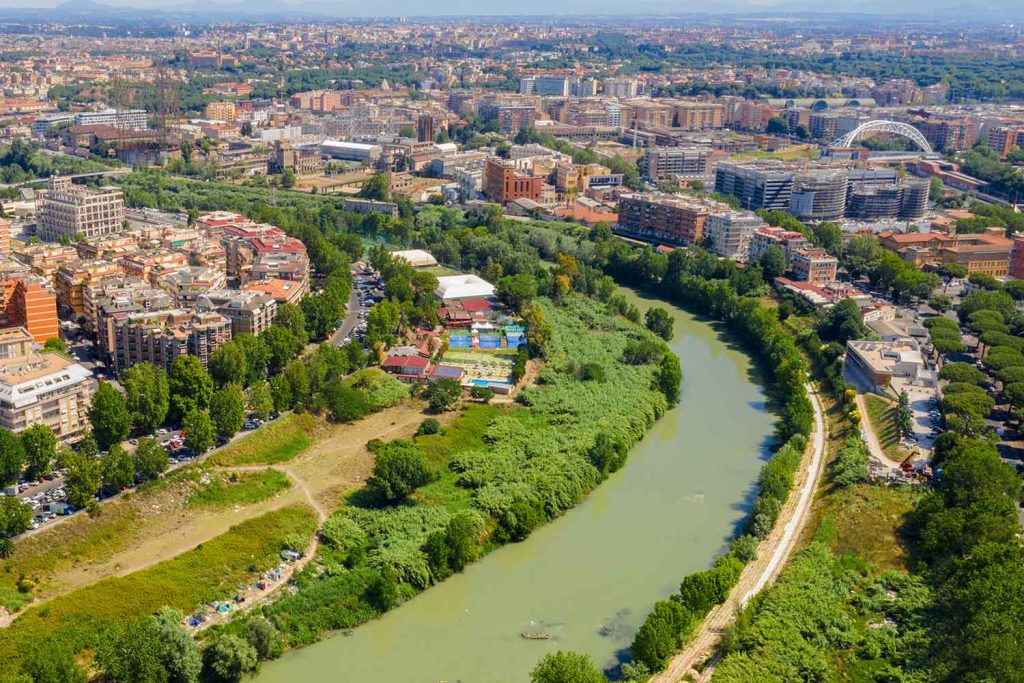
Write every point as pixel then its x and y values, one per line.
pixel 590 577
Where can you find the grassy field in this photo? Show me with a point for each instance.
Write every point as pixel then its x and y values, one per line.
pixel 882 414
pixel 868 521
pixel 238 488
pixel 209 572
pixel 279 441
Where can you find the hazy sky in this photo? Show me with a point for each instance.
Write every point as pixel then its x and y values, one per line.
pixel 1005 9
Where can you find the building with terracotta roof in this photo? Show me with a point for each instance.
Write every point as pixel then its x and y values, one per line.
pixel 72 277
pixel 45 258
pixel 283 291
pixel 987 252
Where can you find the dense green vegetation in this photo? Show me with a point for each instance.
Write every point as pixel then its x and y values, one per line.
pixel 67 625
pixel 438 500
pixel 22 161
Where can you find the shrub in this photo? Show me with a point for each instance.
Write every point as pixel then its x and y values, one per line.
pixel 428 426
pixel 399 470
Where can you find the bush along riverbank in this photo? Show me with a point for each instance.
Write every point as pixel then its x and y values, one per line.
pixel 697 281
pixel 439 501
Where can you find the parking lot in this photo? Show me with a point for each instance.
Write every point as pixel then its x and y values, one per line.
pixel 48 497
pixel 367 290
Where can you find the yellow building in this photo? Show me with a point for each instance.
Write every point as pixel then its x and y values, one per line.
pixel 221 111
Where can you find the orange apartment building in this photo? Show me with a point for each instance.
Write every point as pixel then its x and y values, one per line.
pixel 503 182
pixel 34 307
pixel 71 278
pixel 5 238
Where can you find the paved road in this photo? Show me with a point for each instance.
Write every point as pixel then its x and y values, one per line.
pixel 761 572
pixel 350 322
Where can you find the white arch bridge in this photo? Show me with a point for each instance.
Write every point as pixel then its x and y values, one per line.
pixel 880 126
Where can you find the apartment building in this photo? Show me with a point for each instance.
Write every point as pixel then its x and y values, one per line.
pixel 814 265
pixel 250 312
pixel 281 291
pixel 45 258
pixel 503 182
pixel 769 236
pixel 131 119
pixel 67 210
pixel 621 87
pixel 48 389
pixel 15 342
pixel 946 133
pixel 159 337
pixel 665 217
pixel 1004 138
pixel 757 186
pixel 255 252
pixel 221 111
pixel 819 195
pixel 5 239
pixel 729 234
pixel 560 86
pixel 699 115
pixel 32 305
pixel 684 162
pixel 71 279
pixel 186 285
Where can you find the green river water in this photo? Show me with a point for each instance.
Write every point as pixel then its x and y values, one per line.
pixel 588 578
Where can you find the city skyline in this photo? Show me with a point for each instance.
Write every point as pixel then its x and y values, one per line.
pixel 1005 11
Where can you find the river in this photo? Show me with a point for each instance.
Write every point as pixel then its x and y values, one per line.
pixel 590 577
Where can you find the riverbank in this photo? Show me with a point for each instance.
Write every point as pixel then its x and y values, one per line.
pixel 772 555
pixel 684 490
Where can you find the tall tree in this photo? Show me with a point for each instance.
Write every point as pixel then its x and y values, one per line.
pixel 566 667
pixel 773 262
pixel 12 457
pixel 199 431
pixel 228 364
pixel 150 459
pixel 147 395
pixel 40 450
pixel 227 410
pixel 118 469
pixel 109 416
pixel 190 385
pixel 291 317
pixel 83 479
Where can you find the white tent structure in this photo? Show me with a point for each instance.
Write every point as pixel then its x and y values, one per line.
pixel 454 287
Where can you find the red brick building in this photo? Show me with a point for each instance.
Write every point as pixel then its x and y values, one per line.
pixel 504 182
